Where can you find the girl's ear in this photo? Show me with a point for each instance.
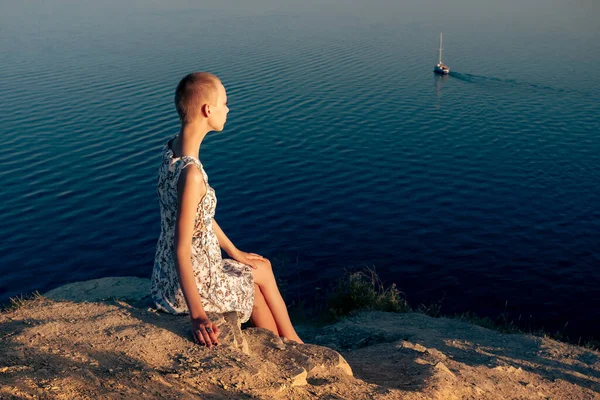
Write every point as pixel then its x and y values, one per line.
pixel 205 109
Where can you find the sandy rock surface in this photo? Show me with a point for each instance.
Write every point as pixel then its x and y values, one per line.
pixel 111 348
pixel 439 358
pixel 129 288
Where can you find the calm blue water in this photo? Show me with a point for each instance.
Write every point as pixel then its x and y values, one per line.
pixel 341 150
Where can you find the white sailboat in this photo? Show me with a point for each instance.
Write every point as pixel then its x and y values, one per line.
pixel 441 68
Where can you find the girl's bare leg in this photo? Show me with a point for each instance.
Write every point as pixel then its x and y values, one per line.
pixel 264 278
pixel 261 313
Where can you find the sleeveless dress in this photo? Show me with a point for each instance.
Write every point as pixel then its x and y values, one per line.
pixel 223 284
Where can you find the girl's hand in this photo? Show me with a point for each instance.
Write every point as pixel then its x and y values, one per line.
pixel 205 332
pixel 247 258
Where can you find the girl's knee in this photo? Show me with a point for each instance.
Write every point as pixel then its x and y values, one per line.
pixel 263 274
pixel 265 264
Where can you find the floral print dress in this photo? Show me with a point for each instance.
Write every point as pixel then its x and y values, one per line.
pixel 223 284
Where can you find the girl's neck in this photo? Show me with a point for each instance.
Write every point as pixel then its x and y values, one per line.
pixel 189 140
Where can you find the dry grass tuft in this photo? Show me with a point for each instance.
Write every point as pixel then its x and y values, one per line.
pixel 14 303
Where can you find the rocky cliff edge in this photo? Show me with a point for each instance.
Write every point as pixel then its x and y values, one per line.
pixel 104 339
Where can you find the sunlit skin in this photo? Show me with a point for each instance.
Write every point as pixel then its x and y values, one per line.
pixel 269 310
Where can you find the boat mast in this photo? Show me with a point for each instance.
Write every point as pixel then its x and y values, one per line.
pixel 440 59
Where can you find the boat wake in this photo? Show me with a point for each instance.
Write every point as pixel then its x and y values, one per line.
pixel 482 79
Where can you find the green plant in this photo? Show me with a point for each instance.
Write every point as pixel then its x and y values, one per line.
pixel 363 290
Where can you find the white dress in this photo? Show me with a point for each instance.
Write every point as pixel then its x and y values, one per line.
pixel 223 284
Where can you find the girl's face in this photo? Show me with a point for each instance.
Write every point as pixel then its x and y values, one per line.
pixel 218 111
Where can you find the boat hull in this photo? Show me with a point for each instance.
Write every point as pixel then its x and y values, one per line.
pixel 441 70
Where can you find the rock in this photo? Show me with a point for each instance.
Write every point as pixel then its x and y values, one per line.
pixel 514 370
pixel 443 368
pixel 278 343
pixel 93 378
pixel 137 291
pixel 414 346
pixel 298 377
pixel 234 324
pixel 94 347
pixel 436 354
pixel 315 360
pixel 343 365
pixel 319 359
pixel 125 288
pixel 304 361
pixel 231 335
pixel 509 369
pixel 17 354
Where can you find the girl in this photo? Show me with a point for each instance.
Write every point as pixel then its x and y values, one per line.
pixel 189 274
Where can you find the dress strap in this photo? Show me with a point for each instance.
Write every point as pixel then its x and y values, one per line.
pixel 187 160
pixel 182 162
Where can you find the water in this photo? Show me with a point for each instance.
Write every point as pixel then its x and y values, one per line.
pixel 341 150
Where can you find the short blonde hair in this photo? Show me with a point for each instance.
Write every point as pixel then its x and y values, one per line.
pixel 193 91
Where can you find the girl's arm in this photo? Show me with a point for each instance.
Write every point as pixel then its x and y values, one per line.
pixel 224 241
pixel 232 251
pixel 190 188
